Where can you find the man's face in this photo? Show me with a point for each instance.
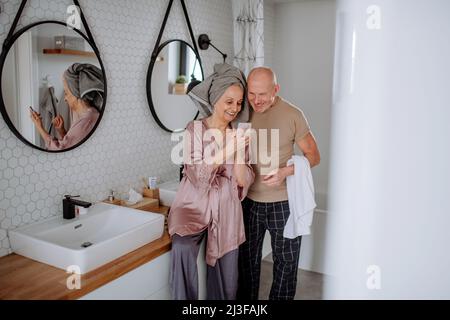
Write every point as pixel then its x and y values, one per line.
pixel 261 92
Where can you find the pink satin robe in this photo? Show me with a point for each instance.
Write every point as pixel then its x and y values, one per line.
pixel 210 199
pixel 77 132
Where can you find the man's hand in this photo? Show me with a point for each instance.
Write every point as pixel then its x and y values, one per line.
pixel 276 178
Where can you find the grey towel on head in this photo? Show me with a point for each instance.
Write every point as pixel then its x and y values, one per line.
pixel 207 93
pixel 85 81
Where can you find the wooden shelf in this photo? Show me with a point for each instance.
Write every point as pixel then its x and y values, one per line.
pixel 70 52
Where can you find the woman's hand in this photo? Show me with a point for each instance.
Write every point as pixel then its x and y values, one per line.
pixel 36 118
pixel 242 140
pixel 58 122
pixel 234 149
pixel 230 146
pixel 237 141
pixel 240 166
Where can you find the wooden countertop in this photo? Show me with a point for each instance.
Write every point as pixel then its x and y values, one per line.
pixel 25 279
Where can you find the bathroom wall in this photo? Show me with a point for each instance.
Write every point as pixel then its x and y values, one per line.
pixel 269 32
pixel 304 53
pixel 128 144
pixel 299 38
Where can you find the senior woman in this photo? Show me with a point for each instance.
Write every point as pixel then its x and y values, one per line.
pixel 83 93
pixel 208 201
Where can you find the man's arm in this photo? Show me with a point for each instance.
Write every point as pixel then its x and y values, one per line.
pixel 309 148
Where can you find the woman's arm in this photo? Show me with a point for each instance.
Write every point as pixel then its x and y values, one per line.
pixel 199 171
pixel 58 122
pixel 240 172
pixel 241 158
pixel 77 132
pixel 37 120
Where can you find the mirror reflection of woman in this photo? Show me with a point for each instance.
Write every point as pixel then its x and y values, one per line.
pixel 83 93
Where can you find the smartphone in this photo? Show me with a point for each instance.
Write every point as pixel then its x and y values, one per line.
pixel 31 109
pixel 245 125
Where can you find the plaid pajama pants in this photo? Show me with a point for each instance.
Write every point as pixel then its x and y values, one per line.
pixel 259 217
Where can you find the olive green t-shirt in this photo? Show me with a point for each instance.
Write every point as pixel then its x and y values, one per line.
pixel 291 126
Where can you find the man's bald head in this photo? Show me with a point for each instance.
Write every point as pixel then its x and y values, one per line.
pixel 263 73
pixel 262 88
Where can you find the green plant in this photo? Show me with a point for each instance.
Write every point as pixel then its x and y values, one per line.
pixel 181 79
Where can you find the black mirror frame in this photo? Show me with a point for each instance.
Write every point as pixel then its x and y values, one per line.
pixel 8 43
pixel 149 80
pixel 158 49
pixel 2 103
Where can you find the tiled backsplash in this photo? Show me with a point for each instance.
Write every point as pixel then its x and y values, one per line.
pixel 128 144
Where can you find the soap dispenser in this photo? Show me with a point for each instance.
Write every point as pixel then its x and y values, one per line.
pixel 111 197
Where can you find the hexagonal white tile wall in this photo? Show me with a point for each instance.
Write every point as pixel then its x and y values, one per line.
pixel 128 144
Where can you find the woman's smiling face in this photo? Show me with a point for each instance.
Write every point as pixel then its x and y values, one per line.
pixel 70 99
pixel 229 104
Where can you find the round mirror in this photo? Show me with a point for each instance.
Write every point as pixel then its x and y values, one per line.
pixel 53 86
pixel 175 67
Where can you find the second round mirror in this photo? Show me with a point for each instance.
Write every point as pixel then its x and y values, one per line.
pixel 171 71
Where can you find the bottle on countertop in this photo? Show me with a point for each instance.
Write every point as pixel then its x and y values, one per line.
pixel 111 197
pixel 152 182
pixel 151 191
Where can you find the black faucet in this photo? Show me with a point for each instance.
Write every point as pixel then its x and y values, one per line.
pixel 181 171
pixel 69 206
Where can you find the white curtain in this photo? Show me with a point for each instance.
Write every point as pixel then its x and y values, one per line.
pixel 248 34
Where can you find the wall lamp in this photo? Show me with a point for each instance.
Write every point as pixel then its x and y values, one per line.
pixel 204 42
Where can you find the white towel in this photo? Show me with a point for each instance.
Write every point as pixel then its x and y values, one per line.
pixel 300 188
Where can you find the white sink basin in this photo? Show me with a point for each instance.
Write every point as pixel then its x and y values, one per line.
pixel 105 233
pixel 167 192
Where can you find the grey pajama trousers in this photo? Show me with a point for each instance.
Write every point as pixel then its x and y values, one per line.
pixel 222 279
